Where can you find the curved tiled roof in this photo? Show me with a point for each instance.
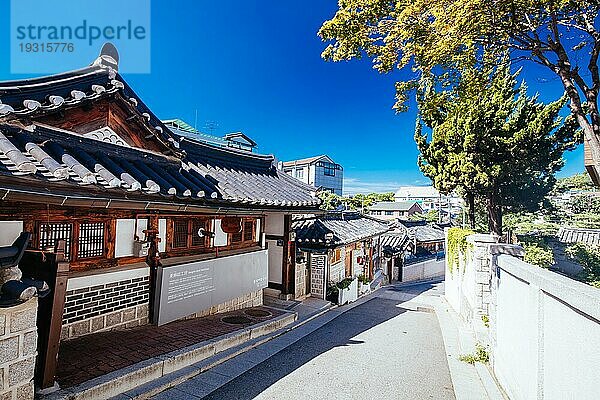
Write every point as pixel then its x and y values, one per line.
pixel 49 161
pixel 335 229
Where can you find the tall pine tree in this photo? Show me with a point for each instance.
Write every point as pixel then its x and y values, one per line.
pixel 491 142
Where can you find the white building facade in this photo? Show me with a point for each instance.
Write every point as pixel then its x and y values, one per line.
pixel 429 198
pixel 320 171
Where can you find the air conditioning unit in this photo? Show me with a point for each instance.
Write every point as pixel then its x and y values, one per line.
pixel 141 248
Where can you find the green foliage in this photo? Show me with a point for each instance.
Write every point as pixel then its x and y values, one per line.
pixel 580 181
pixel 530 224
pixel 584 203
pixel 486 320
pixel 457 245
pixel 435 37
pixel 589 258
pixel 492 141
pixel 481 355
pixel 344 283
pixel 430 216
pixel 332 293
pixel 538 254
pixel 331 201
pixel 364 279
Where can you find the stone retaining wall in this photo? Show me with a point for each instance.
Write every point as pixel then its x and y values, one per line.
pixel 18 349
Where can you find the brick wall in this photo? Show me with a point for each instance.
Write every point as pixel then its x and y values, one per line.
pixel 104 307
pixel 18 349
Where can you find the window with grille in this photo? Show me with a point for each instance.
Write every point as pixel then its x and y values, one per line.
pixel 198 241
pixel 237 237
pixel 248 231
pixel 91 240
pixel 185 233
pixel 180 233
pixel 51 232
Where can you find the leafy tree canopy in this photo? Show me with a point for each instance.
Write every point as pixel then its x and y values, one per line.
pixel 438 39
pixel 489 139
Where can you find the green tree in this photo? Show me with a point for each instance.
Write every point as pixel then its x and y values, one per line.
pixel 329 200
pixel 490 140
pixel 580 181
pixel 439 38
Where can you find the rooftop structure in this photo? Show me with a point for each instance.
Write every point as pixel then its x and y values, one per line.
pixel 319 171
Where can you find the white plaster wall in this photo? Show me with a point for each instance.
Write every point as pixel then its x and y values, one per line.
pixel 275 261
pixel 106 277
pixel 162 234
pixel 515 356
pixel 547 334
pixel 572 370
pixel 9 231
pixel 424 270
pixel 220 238
pixel 274 224
pixel 124 236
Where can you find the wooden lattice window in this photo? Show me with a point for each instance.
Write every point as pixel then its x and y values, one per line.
pixel 185 233
pixel 237 237
pixel 180 233
pixel 51 232
pixel 248 231
pixel 90 243
pixel 198 241
pixel 246 234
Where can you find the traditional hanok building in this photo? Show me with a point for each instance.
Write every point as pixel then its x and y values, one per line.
pixel 156 226
pixel 335 246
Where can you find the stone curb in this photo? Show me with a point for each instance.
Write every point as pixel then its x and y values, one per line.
pixel 156 368
pixel 156 386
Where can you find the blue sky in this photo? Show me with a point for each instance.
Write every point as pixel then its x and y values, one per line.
pixel 255 67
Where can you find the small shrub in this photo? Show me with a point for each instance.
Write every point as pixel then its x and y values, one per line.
pixel 481 355
pixel 589 258
pixel 486 320
pixel 344 283
pixel 539 254
pixel 332 293
pixel 363 279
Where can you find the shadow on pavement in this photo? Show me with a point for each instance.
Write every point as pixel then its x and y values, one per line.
pixel 338 332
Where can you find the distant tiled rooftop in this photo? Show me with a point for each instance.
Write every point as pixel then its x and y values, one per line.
pixel 579 235
pixel 345 227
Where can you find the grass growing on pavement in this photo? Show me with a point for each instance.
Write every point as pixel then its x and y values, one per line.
pixel 481 355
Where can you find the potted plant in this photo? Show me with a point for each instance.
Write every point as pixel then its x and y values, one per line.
pixel 364 284
pixel 348 290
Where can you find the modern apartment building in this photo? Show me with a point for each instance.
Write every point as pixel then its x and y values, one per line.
pixel 320 171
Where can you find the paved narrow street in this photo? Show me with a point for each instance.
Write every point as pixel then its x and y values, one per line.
pixel 374 350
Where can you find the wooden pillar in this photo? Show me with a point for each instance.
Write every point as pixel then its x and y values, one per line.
pixel 153 261
pixel 51 268
pixel 288 273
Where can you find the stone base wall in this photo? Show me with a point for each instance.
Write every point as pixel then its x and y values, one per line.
pixel 317 275
pixel 300 283
pixel 18 349
pixel 251 299
pixel 125 318
pixel 105 302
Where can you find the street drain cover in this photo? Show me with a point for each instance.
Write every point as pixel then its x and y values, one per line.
pixel 236 320
pixel 257 313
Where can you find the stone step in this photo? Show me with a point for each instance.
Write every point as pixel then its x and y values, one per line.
pixel 175 366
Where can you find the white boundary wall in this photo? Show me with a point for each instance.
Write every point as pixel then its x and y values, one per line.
pixel 544 328
pixel 545 333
